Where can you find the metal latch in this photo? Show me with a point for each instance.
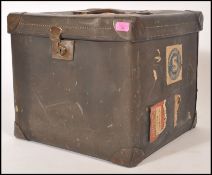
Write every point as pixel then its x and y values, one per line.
pixel 61 49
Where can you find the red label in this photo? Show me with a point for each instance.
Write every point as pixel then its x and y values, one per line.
pixel 157 120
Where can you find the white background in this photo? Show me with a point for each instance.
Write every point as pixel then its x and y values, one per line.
pixel 189 153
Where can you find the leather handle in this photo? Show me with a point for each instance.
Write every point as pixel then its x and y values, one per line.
pixel 114 11
pixel 99 11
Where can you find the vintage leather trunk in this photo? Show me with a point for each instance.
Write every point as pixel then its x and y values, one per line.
pixel 113 84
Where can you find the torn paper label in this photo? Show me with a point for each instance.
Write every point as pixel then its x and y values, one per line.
pixel 157 120
pixel 177 100
pixel 155 75
pixel 189 115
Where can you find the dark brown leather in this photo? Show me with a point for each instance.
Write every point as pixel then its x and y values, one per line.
pixel 100 102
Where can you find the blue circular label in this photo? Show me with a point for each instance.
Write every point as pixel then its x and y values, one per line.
pixel 174 63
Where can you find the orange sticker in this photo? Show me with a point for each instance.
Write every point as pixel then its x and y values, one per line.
pixel 157 120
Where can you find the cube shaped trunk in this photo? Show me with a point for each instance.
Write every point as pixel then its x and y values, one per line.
pixel 125 87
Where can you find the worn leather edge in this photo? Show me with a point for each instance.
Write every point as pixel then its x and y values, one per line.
pixel 194 123
pixel 18 132
pixel 128 157
pixel 13 20
pixel 199 17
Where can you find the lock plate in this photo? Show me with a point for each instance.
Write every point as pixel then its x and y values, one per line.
pixel 66 54
pixel 61 49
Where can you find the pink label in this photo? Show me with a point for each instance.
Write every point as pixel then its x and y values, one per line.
pixel 122 26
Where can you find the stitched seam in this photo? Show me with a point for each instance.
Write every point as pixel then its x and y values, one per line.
pixel 88 27
pixel 107 28
pixel 70 27
pixel 170 25
pixel 176 33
